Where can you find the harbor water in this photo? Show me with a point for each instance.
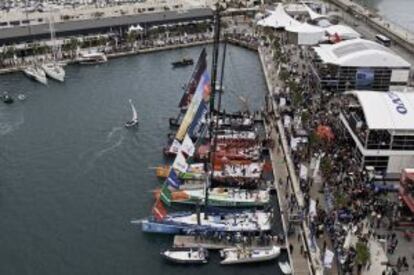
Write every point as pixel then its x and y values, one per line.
pixel 398 11
pixel 72 176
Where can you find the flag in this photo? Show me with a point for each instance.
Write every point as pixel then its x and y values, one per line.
pixel 328 258
pixel 173 180
pixel 188 146
pixel 175 147
pixel 180 163
pixel 159 210
pixel 165 195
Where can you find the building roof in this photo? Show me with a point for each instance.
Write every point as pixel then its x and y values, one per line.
pixel 14 33
pixel 359 53
pixel 387 110
pixel 345 32
pixel 305 28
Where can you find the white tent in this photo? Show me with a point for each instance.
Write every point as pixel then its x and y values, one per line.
pixel 136 28
pixel 278 19
pixel 307 34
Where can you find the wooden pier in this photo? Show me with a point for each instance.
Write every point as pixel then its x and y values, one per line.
pixel 213 244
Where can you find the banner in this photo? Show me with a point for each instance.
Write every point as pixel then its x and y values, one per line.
pixel 328 259
pixel 188 146
pixel 165 195
pixel 196 126
pixel 194 80
pixel 203 89
pixel 364 78
pixel 175 147
pixel 180 163
pixel 173 180
pixel 159 211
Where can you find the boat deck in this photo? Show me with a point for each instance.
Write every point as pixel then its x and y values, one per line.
pixel 214 244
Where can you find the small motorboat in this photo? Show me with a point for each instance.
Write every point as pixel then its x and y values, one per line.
pixel 36 73
pixel 285 267
pixel 237 255
pixel 186 255
pixel 54 71
pixel 134 120
pixel 21 97
pixel 183 62
pixel 7 99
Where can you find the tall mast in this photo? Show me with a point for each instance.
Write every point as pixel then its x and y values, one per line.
pixel 213 138
pixel 216 45
pixel 52 35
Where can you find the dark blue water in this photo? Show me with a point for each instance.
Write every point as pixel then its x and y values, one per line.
pixel 72 177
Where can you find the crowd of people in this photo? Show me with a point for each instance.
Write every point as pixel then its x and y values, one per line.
pixel 351 207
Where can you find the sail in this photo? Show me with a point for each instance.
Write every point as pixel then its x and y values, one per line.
pixel 188 146
pixel 134 111
pixel 180 163
pixel 195 78
pixel 196 126
pixel 203 88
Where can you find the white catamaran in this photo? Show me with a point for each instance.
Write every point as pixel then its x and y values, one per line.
pixel 134 120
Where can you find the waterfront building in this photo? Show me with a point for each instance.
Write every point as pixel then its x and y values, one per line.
pixel 358 64
pixel 120 24
pixel 380 127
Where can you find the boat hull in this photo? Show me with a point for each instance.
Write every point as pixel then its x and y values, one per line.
pixel 39 78
pixel 131 124
pixel 221 203
pixel 186 223
pixel 236 256
pixel 160 228
pixel 185 256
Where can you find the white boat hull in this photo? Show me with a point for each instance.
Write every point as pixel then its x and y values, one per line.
pixel 54 71
pixel 186 256
pixel 36 74
pixel 285 267
pixel 245 256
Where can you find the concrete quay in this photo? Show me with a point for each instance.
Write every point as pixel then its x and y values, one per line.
pixel 233 41
pixel 307 261
pixel 402 36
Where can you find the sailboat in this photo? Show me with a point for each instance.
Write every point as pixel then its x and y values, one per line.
pixel 239 255
pixel 221 197
pixel 188 222
pixel 36 73
pixel 53 69
pixel 134 120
